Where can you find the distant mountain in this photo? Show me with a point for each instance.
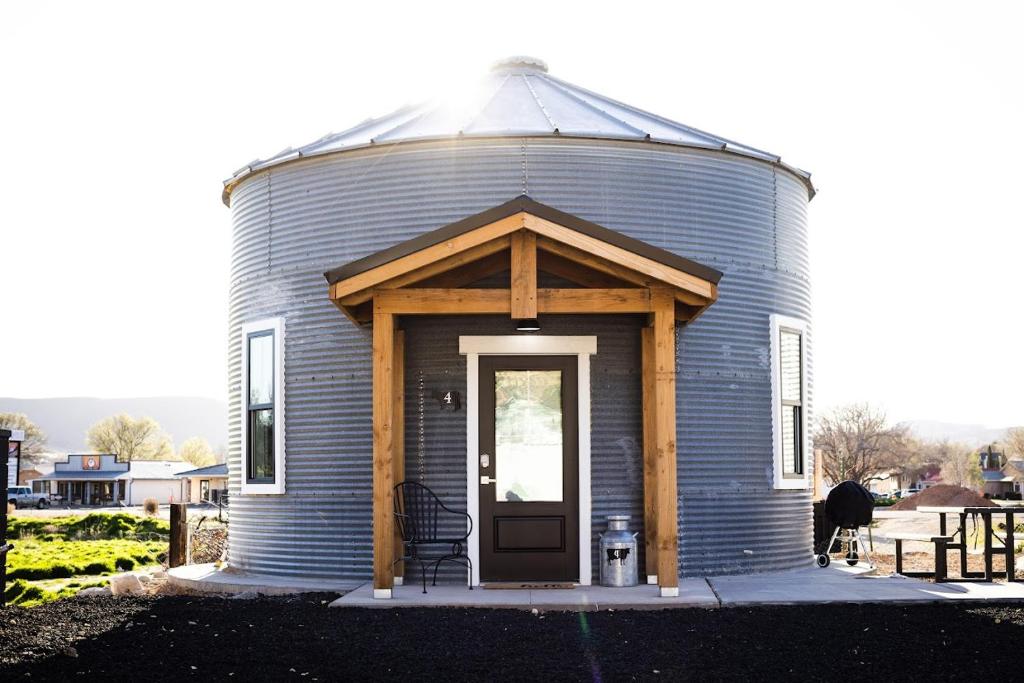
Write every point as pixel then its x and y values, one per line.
pixel 973 435
pixel 65 420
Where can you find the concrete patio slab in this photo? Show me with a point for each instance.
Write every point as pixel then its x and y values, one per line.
pixel 692 593
pixel 841 584
pixel 206 578
pixel 835 584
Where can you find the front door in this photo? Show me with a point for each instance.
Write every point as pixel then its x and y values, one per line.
pixel 529 506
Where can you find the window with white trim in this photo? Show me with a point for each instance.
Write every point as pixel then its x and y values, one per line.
pixel 789 395
pixel 262 407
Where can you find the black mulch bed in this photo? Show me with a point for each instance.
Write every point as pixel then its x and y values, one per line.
pixel 300 638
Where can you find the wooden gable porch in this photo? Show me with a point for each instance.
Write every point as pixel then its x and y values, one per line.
pixel 602 272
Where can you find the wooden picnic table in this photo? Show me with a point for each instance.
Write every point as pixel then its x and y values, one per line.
pixel 986 515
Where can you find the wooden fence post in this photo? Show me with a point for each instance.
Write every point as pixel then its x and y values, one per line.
pixel 179 535
pixel 5 435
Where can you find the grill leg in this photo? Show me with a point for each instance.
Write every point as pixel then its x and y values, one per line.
pixel 868 549
pixel 831 542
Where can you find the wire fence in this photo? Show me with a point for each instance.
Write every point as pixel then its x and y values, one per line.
pixel 207 539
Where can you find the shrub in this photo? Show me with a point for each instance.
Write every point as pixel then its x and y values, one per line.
pixel 150 506
pixel 125 564
pixel 14 589
pixel 98 568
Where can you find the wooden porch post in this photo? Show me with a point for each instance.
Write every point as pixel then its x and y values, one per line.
pixel 399 436
pixel 650 451
pixel 383 450
pixel 524 275
pixel 664 333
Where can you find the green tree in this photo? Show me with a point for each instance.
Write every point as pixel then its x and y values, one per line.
pixel 130 438
pixel 33 448
pixel 197 451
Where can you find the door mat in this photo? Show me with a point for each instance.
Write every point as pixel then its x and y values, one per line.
pixel 529 585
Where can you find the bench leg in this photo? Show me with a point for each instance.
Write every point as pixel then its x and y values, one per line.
pixel 988 545
pixel 963 545
pixel 940 561
pixel 899 556
pixel 1011 542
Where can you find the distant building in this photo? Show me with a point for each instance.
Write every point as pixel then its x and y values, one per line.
pixel 1013 471
pixel 100 479
pixel 205 484
pixel 28 477
pixel 995 482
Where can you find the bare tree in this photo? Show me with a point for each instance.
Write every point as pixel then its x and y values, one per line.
pixel 960 463
pixel 857 442
pixel 1015 442
pixel 130 438
pixel 33 448
pixel 197 451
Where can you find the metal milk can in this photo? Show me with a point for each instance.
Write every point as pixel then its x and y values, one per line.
pixel 617 552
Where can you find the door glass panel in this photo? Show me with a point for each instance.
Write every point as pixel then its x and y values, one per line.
pixel 528 435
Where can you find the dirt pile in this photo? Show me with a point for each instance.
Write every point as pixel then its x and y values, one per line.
pixel 944 494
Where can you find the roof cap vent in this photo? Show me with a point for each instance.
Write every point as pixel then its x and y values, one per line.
pixel 520 63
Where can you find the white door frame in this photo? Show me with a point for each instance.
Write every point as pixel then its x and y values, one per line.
pixel 472 347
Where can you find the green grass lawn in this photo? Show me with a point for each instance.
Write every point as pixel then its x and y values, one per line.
pixel 58 556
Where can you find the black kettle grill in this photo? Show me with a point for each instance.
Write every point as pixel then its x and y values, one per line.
pixel 848 506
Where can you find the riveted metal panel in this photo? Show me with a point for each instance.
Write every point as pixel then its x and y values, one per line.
pixel 742 216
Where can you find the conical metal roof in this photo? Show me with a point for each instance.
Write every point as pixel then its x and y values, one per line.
pixel 517 98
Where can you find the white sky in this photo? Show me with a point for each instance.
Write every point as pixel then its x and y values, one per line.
pixel 120 120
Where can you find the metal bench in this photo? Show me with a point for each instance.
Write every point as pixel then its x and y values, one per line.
pixel 941 543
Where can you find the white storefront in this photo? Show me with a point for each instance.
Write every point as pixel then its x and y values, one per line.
pixel 100 479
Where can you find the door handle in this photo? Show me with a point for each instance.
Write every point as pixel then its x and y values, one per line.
pixel 488 480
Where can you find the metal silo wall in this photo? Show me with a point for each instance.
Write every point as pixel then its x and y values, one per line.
pixel 736 214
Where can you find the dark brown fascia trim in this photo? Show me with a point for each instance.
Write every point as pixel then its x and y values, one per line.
pixel 522 203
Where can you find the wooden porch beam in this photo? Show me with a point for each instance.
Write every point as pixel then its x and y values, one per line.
pixel 667 525
pixel 658 271
pixel 425 257
pixel 443 301
pixel 576 272
pixel 619 272
pixel 466 275
pixel 499 301
pixel 398 430
pixel 524 275
pixel 650 451
pixel 471 255
pixel 383 451
pixel 594 300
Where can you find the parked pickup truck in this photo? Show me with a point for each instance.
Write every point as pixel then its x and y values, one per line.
pixel 22 496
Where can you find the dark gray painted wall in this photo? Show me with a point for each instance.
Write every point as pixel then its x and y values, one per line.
pixel 616 465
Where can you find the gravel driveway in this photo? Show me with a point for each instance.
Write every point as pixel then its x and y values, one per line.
pixel 299 638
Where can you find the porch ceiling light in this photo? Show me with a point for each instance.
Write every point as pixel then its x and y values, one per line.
pixel 528 325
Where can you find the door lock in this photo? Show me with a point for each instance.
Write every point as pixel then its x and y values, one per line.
pixel 485 460
pixel 488 480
